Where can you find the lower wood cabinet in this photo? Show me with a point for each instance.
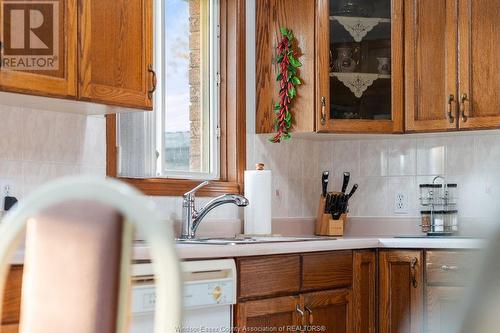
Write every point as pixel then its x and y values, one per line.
pixel 442 309
pixel 364 290
pixel 323 311
pixel 331 291
pixel 272 313
pixel 328 311
pixel 401 291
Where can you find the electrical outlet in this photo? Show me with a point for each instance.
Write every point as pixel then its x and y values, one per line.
pixel 401 203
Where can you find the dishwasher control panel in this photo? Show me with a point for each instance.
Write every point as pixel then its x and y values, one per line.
pixel 206 283
pixel 209 293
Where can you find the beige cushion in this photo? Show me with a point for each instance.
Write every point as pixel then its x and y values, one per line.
pixel 72 266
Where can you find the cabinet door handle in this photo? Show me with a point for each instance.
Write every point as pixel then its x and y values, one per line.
pixel 310 315
pixel 323 110
pixel 413 266
pixel 463 111
pixel 447 268
pixel 153 81
pixel 301 314
pixel 451 99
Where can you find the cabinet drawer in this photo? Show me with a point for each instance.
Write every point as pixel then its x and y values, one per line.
pixel 326 270
pixel 446 267
pixel 265 276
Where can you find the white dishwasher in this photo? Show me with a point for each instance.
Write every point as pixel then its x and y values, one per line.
pixel 209 296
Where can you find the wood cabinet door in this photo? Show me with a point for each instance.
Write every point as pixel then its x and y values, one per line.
pixel 431 99
pixel 277 314
pixel 400 293
pixel 115 49
pixel 325 104
pixel 443 307
pixel 298 16
pixel 328 311
pixel 364 291
pixel 60 42
pixel 479 64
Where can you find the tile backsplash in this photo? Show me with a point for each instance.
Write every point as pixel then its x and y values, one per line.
pixel 37 146
pixel 382 166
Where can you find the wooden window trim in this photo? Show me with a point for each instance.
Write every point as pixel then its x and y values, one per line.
pixel 232 114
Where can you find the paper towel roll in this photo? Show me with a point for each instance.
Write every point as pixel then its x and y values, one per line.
pixel 258 192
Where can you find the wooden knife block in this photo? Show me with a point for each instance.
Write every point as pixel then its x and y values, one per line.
pixel 325 225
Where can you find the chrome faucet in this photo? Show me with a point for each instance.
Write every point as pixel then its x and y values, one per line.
pixel 191 218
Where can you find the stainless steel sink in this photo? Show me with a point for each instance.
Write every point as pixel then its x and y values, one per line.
pixel 239 240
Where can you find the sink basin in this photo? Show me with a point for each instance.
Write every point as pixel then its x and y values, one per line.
pixel 249 240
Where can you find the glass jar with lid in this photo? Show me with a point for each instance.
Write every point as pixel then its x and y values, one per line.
pixel 430 194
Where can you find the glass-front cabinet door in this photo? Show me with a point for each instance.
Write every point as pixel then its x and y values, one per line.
pixel 360 66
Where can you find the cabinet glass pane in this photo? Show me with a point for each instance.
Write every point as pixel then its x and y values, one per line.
pixel 360 59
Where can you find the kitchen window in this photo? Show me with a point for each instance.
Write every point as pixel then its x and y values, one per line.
pixel 197 128
pixel 181 135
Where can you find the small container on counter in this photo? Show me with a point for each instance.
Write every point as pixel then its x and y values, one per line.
pixel 437 222
pixel 430 194
pixel 426 220
pixel 450 194
pixel 451 221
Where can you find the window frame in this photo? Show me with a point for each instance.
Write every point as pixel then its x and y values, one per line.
pixel 232 117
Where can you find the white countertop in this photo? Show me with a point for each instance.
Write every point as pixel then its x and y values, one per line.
pixel 202 251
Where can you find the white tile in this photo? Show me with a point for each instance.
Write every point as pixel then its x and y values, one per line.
pixel 11 131
pixel 346 157
pixel 431 154
pixel 402 156
pixel 36 174
pixel 371 198
pixel 94 143
pixel 460 155
pixel 487 152
pixel 373 158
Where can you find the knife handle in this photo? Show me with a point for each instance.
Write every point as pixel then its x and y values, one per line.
pixel 354 188
pixel 345 182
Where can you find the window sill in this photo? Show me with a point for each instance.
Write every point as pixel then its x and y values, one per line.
pixel 177 187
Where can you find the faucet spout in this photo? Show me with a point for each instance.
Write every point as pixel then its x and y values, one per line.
pixel 235 199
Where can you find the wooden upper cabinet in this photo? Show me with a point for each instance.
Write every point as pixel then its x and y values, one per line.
pixel 359 59
pixel 330 309
pixel 55 41
pixel 115 49
pixel 299 17
pixel 479 68
pixel 401 291
pixel 273 313
pixel 431 65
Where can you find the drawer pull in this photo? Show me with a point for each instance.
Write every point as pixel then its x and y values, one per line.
pixel 447 268
pixel 310 314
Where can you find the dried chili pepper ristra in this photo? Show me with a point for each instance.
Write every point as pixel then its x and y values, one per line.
pixel 288 82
